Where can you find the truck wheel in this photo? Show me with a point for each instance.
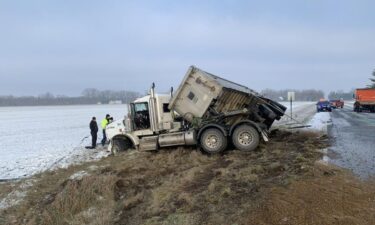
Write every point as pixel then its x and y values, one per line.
pixel 120 145
pixel 245 138
pixel 213 141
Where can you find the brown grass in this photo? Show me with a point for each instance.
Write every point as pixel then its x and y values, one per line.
pixel 94 193
pixel 179 186
pixel 332 197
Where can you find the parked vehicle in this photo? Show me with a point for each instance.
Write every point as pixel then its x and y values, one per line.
pixel 365 100
pixel 337 103
pixel 323 106
pixel 206 110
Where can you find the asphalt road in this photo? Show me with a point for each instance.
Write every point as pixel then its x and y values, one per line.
pixel 353 144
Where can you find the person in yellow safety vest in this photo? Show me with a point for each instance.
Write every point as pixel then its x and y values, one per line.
pixel 104 124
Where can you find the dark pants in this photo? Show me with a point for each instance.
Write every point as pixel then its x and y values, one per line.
pixel 104 140
pixel 94 138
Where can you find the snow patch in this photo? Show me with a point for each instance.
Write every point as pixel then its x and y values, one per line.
pixel 320 122
pixel 16 196
pixel 302 111
pixel 79 175
pixel 93 167
pixel 80 155
pixel 12 199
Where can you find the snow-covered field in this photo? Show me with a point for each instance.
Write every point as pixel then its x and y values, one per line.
pixel 296 104
pixel 34 139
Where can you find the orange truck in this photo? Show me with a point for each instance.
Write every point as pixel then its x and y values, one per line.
pixel 364 100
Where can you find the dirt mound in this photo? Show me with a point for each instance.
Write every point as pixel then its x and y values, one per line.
pixel 172 186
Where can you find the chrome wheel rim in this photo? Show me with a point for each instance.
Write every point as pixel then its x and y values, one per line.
pixel 212 141
pixel 245 138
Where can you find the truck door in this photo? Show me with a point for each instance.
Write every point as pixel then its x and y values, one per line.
pixel 141 116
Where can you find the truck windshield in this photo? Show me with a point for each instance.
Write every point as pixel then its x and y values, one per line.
pixel 141 116
pixel 141 107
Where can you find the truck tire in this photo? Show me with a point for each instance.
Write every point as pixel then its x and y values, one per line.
pixel 213 141
pixel 120 145
pixel 245 138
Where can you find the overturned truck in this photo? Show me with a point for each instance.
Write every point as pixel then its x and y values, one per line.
pixel 206 110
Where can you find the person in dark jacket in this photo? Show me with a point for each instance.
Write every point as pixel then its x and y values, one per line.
pixel 94 132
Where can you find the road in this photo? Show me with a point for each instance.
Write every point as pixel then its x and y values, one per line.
pixel 353 141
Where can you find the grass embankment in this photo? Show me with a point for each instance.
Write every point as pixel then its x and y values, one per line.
pixel 184 186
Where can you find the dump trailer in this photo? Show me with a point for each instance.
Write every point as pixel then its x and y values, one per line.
pixel 205 110
pixel 365 100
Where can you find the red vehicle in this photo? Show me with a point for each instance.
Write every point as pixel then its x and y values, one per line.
pixel 337 103
pixel 365 100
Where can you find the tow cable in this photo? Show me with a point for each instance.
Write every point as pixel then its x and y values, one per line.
pixel 297 122
pixel 59 160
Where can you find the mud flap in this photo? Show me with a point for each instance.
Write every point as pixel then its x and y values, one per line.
pixel 110 146
pixel 265 136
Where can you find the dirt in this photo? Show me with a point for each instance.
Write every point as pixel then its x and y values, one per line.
pixel 279 183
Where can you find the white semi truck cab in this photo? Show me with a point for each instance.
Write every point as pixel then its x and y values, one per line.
pixel 206 110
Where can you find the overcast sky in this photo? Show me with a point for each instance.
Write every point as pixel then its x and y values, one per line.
pixel 66 46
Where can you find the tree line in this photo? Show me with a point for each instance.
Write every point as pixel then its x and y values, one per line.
pixel 341 95
pixel 301 95
pixel 88 96
pixel 372 85
pixel 350 94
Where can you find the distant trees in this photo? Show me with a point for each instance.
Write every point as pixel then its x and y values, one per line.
pixel 341 95
pixel 301 95
pixel 372 80
pixel 88 96
pixel 108 95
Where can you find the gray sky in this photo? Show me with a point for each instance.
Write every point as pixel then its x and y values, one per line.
pixel 66 46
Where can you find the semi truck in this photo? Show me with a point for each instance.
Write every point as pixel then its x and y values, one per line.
pixel 364 100
pixel 206 110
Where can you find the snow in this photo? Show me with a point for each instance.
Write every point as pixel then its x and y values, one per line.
pixel 16 196
pixel 305 113
pixel 35 139
pixel 302 112
pixel 12 199
pixel 320 121
pixel 298 109
pixel 296 104
pixel 79 175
